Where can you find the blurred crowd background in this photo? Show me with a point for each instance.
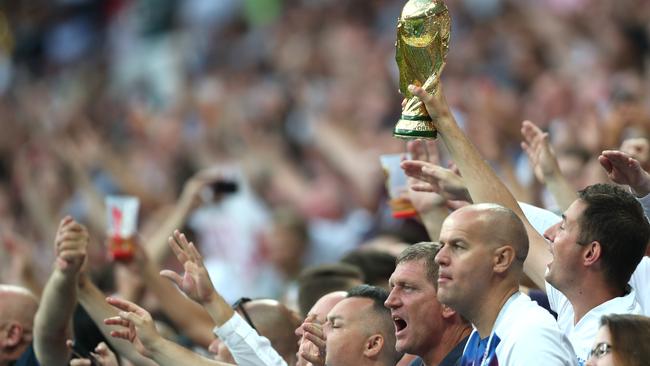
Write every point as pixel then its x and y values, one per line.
pixel 294 100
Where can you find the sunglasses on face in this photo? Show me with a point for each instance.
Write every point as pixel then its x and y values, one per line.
pixel 600 350
pixel 239 307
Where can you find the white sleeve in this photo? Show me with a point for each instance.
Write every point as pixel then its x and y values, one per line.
pixel 543 346
pixel 246 346
pixel 645 203
pixel 640 282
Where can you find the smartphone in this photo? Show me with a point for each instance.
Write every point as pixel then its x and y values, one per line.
pixel 224 187
pixel 78 352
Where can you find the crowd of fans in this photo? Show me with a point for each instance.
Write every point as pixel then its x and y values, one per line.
pixel 253 129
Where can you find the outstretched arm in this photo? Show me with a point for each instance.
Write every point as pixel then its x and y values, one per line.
pixel 247 347
pixel 542 157
pixel 93 301
pixel 482 182
pixel 52 324
pixel 138 327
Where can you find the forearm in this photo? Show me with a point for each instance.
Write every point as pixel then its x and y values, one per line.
pixel 94 302
pixel 52 324
pixel 485 186
pixel 432 221
pixel 219 310
pixel 167 353
pixel 188 316
pixel 561 190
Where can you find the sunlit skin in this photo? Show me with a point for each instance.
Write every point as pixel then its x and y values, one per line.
pixel 414 308
pixel 603 336
pixel 346 332
pixel 464 270
pixel 567 254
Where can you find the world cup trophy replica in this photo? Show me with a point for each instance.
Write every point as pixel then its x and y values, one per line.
pixel 423 32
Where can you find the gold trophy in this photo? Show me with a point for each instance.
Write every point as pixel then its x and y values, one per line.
pixel 423 32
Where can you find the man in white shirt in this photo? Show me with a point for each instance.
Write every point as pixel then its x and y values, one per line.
pixel 591 264
pixel 481 263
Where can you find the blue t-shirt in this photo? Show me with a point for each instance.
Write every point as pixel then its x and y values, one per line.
pixel 28 358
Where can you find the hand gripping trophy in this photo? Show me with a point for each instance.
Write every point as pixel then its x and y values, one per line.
pixel 423 32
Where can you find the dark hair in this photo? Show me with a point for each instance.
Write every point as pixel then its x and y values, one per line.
pixel 615 219
pixel 629 334
pixel 377 294
pixel 377 266
pixel 316 281
pixel 383 320
pixel 423 251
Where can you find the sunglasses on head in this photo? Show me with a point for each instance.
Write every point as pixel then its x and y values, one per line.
pixel 239 307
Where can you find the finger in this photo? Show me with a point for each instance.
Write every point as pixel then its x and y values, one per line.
pixel 315 330
pixel 172 276
pixel 80 362
pixel 125 305
pixel 178 252
pixel 606 163
pixel 194 253
pixel 123 334
pixel 102 349
pixel 117 321
pixel 423 187
pixel 317 341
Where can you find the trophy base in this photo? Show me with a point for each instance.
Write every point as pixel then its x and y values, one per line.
pixel 415 127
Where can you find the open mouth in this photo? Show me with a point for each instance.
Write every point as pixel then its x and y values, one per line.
pixel 400 324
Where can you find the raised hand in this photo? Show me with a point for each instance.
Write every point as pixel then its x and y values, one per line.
pixel 70 246
pixel 102 356
pixel 539 151
pixel 137 325
pixel 195 282
pixel 623 169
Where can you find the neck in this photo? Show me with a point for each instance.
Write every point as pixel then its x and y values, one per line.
pixel 485 315
pixel 589 294
pixel 453 334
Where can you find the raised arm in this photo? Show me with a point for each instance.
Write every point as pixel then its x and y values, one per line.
pixel 137 327
pixel 53 321
pixel 544 162
pixel 93 301
pixel 246 346
pixel 482 182
pixel 187 315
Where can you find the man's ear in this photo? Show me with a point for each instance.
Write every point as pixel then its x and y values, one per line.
pixel 592 253
pixel 503 258
pixel 12 335
pixel 447 312
pixel 374 345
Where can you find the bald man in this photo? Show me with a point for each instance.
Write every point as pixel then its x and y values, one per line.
pixel 272 320
pixel 17 309
pixel 481 263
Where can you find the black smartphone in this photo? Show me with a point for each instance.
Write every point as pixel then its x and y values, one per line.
pixel 224 187
pixel 79 352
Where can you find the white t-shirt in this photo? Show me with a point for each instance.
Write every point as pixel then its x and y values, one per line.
pixel 640 282
pixel 582 334
pixel 524 334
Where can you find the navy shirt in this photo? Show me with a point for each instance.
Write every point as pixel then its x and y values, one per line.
pixel 28 358
pixel 452 358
